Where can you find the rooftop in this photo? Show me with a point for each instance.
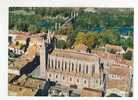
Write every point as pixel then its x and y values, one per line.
pixel 20 33
pixel 117 58
pixel 130 49
pixel 20 62
pixel 29 82
pixel 11 77
pixel 21 37
pixel 113 46
pixel 74 55
pixel 121 70
pixel 13 45
pixel 15 90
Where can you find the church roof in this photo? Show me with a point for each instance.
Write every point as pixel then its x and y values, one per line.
pixel 74 55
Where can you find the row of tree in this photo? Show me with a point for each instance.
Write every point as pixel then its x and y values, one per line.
pixel 93 39
pixel 35 20
pixel 29 18
pixel 92 21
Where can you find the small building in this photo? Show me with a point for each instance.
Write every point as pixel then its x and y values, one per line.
pixel 18 36
pixel 114 49
pixel 24 63
pixel 25 86
pixel 15 49
pixel 129 49
pixel 11 77
pixel 15 90
pixel 59 90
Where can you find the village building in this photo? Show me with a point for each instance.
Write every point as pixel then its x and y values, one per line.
pixel 18 42
pixel 15 90
pixel 24 63
pixel 25 86
pixel 18 36
pixel 114 49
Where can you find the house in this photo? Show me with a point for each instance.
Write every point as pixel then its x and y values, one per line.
pixel 18 36
pixel 114 49
pixel 24 63
pixel 25 86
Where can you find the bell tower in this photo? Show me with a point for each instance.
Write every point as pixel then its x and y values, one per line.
pixel 43 59
pixel 45 42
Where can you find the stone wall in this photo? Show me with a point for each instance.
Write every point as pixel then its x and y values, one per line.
pixel 67 71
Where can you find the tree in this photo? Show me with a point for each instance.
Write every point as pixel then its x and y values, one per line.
pixel 107 36
pixel 65 30
pixel 71 39
pixel 15 28
pixel 43 29
pixel 80 38
pixel 129 42
pixel 128 55
pixel 32 29
pixel 91 40
pixel 61 44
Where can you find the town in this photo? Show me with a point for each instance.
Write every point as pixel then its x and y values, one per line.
pixel 55 62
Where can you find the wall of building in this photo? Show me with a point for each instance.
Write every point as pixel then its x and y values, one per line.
pixel 67 71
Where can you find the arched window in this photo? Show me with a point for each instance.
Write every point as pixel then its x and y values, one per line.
pixel 93 69
pixel 52 63
pixel 69 67
pixel 70 79
pixel 84 68
pixel 76 68
pixel 48 62
pixel 55 63
pixel 87 69
pixel 58 64
pixel 96 81
pixel 56 76
pixel 62 62
pixel 62 65
pixel 84 81
pixel 65 65
pixel 78 80
pixel 79 67
pixel 49 75
pixel 72 66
